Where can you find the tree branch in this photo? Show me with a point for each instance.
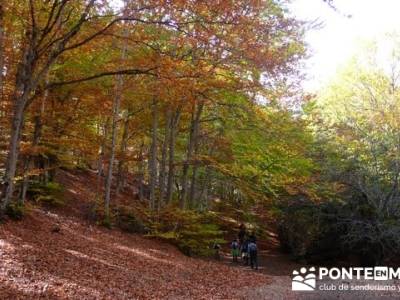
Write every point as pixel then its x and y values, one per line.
pixel 109 73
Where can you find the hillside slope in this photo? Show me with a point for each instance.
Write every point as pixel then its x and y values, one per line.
pixel 56 255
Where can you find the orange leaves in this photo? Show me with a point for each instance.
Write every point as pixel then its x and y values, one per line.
pixel 83 261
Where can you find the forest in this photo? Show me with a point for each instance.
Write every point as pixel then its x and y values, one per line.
pixel 164 125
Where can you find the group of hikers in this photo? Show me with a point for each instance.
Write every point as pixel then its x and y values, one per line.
pixel 245 246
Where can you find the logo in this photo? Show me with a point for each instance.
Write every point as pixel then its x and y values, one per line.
pixel 305 280
pixel 381 273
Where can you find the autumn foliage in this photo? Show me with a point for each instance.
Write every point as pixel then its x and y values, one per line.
pixel 153 95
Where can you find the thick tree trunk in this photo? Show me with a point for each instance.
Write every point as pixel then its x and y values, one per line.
pixel 153 155
pixel 164 158
pixel 23 89
pixel 191 143
pixel 13 149
pixel 171 155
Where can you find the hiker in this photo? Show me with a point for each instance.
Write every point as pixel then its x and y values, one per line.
pixel 242 233
pixel 252 237
pixel 235 250
pixel 216 248
pixel 252 249
pixel 244 251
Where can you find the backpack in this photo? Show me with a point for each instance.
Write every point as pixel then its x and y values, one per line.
pixel 252 247
pixel 235 245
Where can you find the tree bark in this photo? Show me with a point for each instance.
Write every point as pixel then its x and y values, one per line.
pixel 114 130
pixel 121 162
pixel 153 155
pixel 100 162
pixel 1 52
pixel 164 157
pixel 23 88
pixel 171 155
pixel 27 162
pixel 12 157
pixel 37 134
pixel 141 172
pixel 190 148
pixel 193 182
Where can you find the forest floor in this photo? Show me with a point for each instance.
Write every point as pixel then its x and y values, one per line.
pixel 58 254
pixel 83 261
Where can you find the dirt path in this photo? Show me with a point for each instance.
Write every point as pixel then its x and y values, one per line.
pixel 279 267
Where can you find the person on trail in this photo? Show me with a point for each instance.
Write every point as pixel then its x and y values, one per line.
pixel 244 251
pixel 217 248
pixel 252 237
pixel 242 233
pixel 235 250
pixel 252 249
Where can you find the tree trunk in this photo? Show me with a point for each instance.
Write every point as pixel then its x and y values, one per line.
pixel 13 149
pixel 164 156
pixel 193 183
pixel 203 196
pixel 153 155
pixel 141 172
pixel 100 161
pixel 23 89
pixel 191 143
pixel 37 134
pixel 114 129
pixel 35 141
pixel 171 155
pixel 205 189
pixel 193 186
pixel 1 52
pixel 121 162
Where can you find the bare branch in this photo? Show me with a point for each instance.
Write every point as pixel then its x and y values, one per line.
pixel 104 74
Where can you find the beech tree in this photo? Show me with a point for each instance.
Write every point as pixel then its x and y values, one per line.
pixel 178 58
pixel 48 36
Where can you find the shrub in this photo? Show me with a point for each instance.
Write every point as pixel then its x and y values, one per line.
pixel 50 194
pixel 310 230
pixel 106 222
pixel 193 233
pixel 15 211
pixel 370 233
pixel 129 220
pixel 330 230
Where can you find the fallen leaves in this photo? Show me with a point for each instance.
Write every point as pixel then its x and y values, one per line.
pixel 85 262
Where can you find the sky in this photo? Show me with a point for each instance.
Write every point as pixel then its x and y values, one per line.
pixel 340 36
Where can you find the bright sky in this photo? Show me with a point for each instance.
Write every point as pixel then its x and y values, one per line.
pixel 337 41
